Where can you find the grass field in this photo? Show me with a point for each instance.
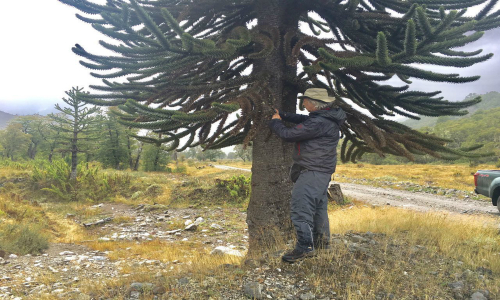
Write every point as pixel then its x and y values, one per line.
pixel 458 177
pixel 452 245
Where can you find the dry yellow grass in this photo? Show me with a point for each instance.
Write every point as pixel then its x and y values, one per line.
pixel 181 258
pixel 236 164
pixel 200 169
pixel 165 251
pixel 475 240
pixel 445 176
pixel 123 219
pixel 65 230
pixel 12 172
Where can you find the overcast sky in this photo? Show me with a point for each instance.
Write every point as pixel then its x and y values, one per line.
pixel 37 64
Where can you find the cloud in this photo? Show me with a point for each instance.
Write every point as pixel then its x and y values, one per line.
pixel 38 64
pixel 488 71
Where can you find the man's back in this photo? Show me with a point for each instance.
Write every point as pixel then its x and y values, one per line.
pixel 316 138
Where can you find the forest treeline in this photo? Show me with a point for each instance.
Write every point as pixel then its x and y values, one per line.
pixel 112 144
pixel 101 138
pixel 489 100
pixel 479 127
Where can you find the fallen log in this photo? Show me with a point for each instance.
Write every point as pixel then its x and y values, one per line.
pixel 99 222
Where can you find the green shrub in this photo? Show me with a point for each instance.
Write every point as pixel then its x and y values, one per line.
pixel 91 183
pixel 137 195
pixel 18 165
pixel 22 239
pixel 239 187
pixel 153 190
pixel 180 169
pixel 473 163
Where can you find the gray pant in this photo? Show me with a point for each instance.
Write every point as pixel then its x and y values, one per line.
pixel 309 209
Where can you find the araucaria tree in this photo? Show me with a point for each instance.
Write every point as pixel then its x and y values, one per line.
pixel 76 123
pixel 185 67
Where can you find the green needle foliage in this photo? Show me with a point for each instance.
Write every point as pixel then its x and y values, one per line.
pixel 77 123
pixel 185 66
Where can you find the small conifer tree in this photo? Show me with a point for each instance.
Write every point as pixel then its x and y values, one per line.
pixel 189 65
pixel 76 124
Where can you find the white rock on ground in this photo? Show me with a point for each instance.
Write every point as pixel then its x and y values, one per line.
pixel 70 258
pixel 191 227
pixel 216 226
pixel 223 250
pixel 478 296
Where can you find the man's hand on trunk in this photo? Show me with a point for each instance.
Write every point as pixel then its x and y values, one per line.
pixel 276 115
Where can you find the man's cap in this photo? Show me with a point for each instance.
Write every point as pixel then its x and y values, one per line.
pixel 318 94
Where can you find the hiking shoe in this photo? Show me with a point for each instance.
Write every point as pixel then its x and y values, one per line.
pixel 296 255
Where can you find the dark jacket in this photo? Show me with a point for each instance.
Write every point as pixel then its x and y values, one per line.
pixel 316 137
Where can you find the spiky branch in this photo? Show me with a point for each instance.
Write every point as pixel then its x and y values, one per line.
pixel 189 66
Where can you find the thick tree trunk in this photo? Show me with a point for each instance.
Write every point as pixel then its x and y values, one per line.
pixel 74 156
pixel 32 150
pixel 268 216
pixel 174 157
pixel 138 158
pixel 74 142
pixel 114 146
pixel 157 159
pixel 129 153
pixel 117 145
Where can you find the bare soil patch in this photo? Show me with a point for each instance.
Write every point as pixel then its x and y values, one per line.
pixel 416 200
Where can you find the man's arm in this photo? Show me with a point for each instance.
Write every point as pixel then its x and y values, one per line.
pixel 303 131
pixel 293 118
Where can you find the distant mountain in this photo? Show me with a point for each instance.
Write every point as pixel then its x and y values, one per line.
pixel 478 128
pixel 28 109
pixel 29 106
pixel 4 119
pixel 481 127
pixel 491 100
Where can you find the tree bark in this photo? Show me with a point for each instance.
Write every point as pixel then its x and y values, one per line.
pixel 114 146
pixel 117 145
pixel 129 153
pixel 157 159
pixel 32 150
pixel 139 152
pixel 74 144
pixel 74 156
pixel 174 157
pixel 268 216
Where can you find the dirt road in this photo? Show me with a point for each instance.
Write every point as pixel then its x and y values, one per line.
pixel 406 199
pixel 231 168
pixel 415 200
